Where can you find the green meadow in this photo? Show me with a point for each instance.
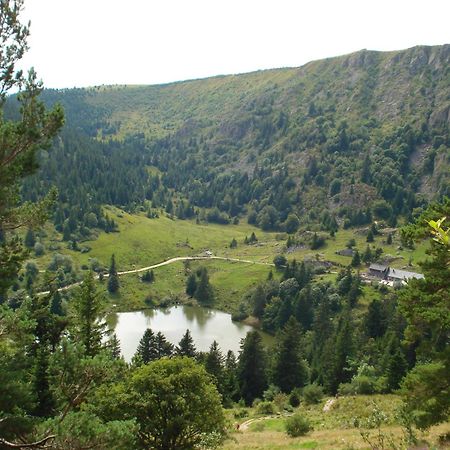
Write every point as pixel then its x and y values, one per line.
pixel 142 242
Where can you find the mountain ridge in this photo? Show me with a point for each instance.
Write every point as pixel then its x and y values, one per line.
pixel 332 136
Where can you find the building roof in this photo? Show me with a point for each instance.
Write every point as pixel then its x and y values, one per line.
pixel 399 274
pixel 378 267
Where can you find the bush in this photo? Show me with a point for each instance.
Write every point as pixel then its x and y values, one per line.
pixel 294 399
pixel 265 408
pixel 297 425
pixel 312 394
pixel 38 249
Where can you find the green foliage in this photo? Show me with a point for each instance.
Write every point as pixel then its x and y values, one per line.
pixel 312 394
pixel 280 261
pixel 186 346
pixel 174 404
pixel 89 308
pixel 113 279
pixel 251 371
pixel 204 292
pixel 289 368
pixel 297 425
pixel 426 393
pixel 85 430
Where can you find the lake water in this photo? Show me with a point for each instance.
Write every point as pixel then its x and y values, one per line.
pixel 205 325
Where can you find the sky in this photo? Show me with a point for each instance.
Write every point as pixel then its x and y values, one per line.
pixel 79 43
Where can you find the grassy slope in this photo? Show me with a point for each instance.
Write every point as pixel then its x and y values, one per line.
pixel 143 242
pixel 331 430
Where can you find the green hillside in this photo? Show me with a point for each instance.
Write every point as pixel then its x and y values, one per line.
pixel 342 141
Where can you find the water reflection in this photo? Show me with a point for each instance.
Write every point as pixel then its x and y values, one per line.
pixel 206 325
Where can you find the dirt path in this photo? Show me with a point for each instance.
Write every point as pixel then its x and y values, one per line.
pixel 165 263
pixel 245 425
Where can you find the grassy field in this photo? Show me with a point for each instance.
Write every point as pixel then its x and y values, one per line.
pixel 142 242
pixel 334 429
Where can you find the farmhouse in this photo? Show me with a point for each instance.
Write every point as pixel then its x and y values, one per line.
pixel 394 275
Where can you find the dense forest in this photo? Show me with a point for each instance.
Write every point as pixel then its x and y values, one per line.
pixel 347 140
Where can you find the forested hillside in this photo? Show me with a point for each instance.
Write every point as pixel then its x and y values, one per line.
pixel 343 140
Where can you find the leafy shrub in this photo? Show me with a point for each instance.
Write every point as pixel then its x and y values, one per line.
pixel 312 394
pixel 297 425
pixel 294 398
pixel 38 249
pixel 265 408
pixel 240 413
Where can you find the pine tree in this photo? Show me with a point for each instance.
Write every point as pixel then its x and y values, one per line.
pixel 342 342
pixel 163 346
pixel 191 285
pixel 30 238
pixel 233 243
pixel 370 237
pixel 375 320
pixel 389 239
pixel 89 309
pixel 289 368
pixel 113 280
pixel 56 304
pixel 231 385
pixel 214 365
pixel 186 346
pixel 146 350
pixel 258 301
pixel 204 293
pixel 252 368
pixel 114 346
pixel 356 260
pixel 367 255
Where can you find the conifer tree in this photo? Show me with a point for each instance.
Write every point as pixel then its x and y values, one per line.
pixel 114 346
pixel 338 371
pixel 191 285
pixel 113 280
pixel 162 346
pixel 289 368
pixel 204 293
pixel 186 346
pixel 231 385
pixel 214 365
pixel 89 309
pixel 356 260
pixel 258 301
pixel 251 372
pixel 30 238
pixel 146 350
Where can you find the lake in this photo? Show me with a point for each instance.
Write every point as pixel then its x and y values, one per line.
pixel 205 325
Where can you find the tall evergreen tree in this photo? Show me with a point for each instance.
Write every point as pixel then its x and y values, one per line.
pixel 258 301
pixel 163 346
pixel 214 365
pixel 204 293
pixel 191 285
pixel 289 368
pixel 113 280
pixel 30 238
pixel 146 350
pixel 186 346
pixel 252 368
pixel 338 370
pixel 89 308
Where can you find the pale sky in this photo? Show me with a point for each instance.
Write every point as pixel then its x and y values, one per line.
pixel 93 42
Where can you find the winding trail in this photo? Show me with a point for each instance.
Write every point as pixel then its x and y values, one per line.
pixel 165 263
